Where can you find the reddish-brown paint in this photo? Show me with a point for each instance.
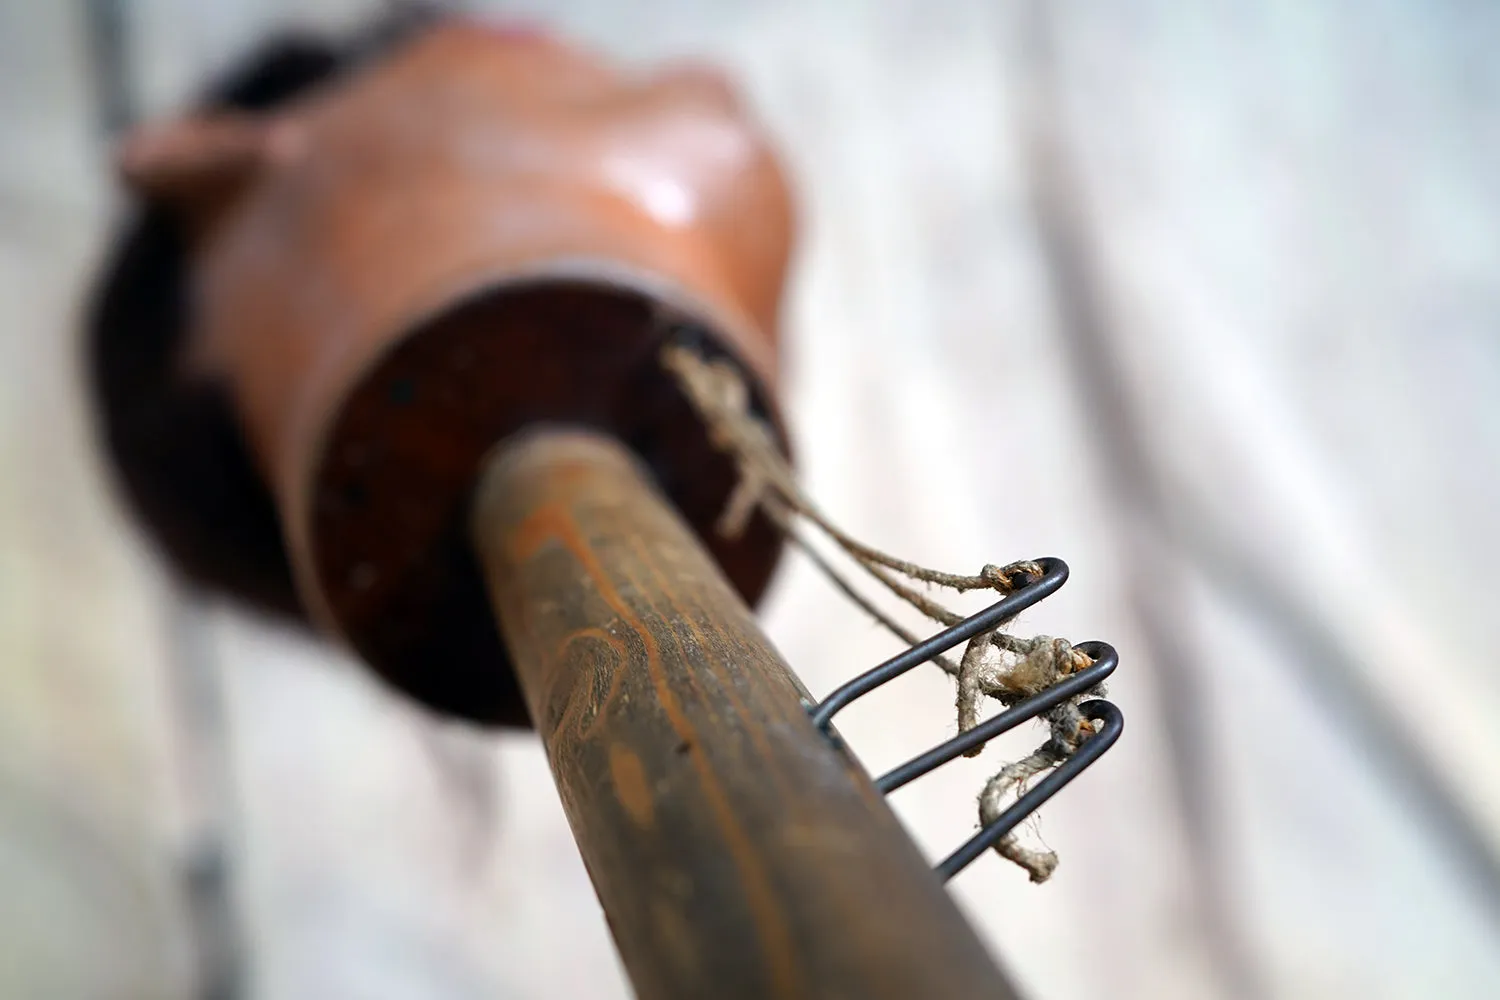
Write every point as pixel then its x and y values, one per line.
pixel 481 231
pixel 736 851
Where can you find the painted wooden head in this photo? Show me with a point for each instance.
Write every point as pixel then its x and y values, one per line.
pixel 349 284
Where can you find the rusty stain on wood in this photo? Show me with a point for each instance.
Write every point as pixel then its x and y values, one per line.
pixel 630 784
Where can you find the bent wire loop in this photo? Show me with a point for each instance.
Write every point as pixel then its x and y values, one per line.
pixel 1111 722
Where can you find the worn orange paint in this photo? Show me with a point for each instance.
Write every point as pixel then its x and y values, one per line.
pixel 631 786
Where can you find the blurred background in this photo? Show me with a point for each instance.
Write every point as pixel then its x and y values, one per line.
pixel 1202 297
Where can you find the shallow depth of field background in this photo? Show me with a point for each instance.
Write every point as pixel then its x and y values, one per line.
pixel 1202 297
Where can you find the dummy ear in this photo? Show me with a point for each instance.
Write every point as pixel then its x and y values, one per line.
pixel 199 162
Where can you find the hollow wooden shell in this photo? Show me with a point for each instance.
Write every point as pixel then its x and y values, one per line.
pixel 477 233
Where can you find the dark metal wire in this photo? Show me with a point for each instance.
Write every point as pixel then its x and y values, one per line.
pixel 1092 749
pixel 1054 575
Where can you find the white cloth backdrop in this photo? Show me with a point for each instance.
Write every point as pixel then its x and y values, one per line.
pixel 1202 297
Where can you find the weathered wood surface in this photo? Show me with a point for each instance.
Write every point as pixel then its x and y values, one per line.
pixel 1296 234
pixel 735 851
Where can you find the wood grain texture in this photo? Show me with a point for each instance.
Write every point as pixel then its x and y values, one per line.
pixel 1295 209
pixel 736 852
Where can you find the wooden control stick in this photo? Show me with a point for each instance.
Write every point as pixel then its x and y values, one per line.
pixel 409 357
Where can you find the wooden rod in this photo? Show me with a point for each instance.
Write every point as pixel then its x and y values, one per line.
pixel 735 851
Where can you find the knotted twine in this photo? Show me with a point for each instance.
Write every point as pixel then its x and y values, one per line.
pixel 994 664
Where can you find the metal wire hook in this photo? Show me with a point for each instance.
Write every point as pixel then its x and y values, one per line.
pixel 1054 575
pixel 1112 722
